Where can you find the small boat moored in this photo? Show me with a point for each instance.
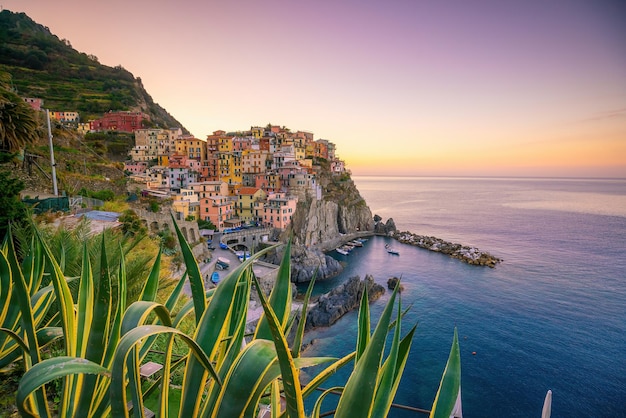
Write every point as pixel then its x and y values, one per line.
pixel 222 263
pixel 342 251
pixel 393 252
pixel 215 277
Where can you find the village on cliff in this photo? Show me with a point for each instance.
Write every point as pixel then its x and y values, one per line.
pixel 256 177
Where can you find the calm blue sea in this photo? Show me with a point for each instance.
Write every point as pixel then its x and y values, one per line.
pixel 552 315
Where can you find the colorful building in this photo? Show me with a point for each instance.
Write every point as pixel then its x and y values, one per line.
pixel 246 199
pixel 185 205
pixel 119 121
pixel 278 210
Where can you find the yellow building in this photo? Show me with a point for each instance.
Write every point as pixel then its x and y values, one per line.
pixel 246 202
pixel 191 147
pixel 185 205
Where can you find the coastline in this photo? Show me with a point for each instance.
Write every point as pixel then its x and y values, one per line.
pixel 467 254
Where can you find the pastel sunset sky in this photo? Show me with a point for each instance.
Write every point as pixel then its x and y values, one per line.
pixel 403 87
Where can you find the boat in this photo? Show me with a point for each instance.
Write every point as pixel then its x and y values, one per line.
pixel 356 243
pixel 342 251
pixel 387 246
pixel 222 263
pixel 215 277
pixel 393 252
pixel 243 255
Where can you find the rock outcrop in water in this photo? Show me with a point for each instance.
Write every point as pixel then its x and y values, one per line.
pixel 344 298
pixel 385 228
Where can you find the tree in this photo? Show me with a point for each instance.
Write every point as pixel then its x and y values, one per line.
pixel 11 207
pixel 18 121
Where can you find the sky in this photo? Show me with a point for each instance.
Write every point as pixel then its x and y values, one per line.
pixel 402 87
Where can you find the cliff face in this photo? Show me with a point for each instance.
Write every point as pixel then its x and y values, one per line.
pixel 323 224
pixel 341 211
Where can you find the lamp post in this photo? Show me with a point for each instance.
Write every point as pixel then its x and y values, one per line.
pixel 52 163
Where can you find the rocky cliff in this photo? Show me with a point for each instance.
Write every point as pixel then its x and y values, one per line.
pixel 321 224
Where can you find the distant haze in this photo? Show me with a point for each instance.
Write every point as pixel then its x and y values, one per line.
pixel 403 87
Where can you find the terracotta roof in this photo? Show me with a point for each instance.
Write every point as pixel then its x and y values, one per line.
pixel 248 190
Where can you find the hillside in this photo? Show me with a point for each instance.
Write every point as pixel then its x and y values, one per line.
pixel 43 66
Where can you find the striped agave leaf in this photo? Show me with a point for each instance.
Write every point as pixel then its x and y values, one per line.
pixel 290 375
pixel 447 402
pixel 280 297
pixel 359 395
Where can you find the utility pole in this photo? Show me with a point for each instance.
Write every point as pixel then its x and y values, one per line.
pixel 52 163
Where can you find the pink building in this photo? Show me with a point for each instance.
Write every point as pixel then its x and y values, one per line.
pixel 34 102
pixel 136 167
pixel 278 210
pixel 219 210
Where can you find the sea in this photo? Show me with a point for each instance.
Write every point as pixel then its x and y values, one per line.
pixel 550 316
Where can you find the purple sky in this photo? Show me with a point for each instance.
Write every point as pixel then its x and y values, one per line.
pixel 529 88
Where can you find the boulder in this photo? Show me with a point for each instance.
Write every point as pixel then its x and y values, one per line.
pixel 344 298
pixel 392 282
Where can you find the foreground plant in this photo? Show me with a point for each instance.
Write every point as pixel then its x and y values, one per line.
pixel 223 374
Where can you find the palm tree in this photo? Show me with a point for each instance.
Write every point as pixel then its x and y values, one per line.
pixel 18 121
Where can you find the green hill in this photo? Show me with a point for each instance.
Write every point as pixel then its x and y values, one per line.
pixel 43 66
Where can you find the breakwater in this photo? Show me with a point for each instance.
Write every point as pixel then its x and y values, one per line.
pixel 467 254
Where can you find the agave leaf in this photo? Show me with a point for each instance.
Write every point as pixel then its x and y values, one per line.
pixel 31 355
pixel 15 337
pixel 47 371
pixel 243 379
pixel 232 345
pixel 325 374
pixel 48 334
pixel 448 399
pixel 392 369
pixel 138 313
pixel 173 298
pixel 318 403
pixel 195 276
pixel 360 390
pixel 363 336
pixel 188 308
pixel 163 411
pixel 124 348
pixel 85 305
pixel 97 335
pixel 151 286
pixel 6 293
pixel 291 379
pixel 297 342
pixel 280 297
pixel 210 332
pixel 546 411
pixel 275 399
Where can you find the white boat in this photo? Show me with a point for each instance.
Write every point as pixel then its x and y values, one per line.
pixel 393 252
pixel 342 251
pixel 222 263
pixel 356 243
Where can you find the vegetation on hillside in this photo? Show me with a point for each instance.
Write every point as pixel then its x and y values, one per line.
pixel 46 67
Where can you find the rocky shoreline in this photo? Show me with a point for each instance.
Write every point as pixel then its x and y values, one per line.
pixel 467 254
